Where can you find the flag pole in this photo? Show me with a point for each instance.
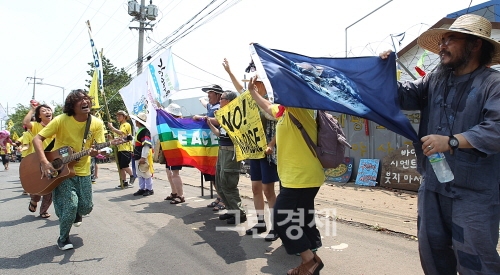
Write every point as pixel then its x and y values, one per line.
pixel 104 94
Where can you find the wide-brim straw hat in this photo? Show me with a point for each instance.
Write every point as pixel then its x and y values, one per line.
pixel 468 24
pixel 141 118
pixel 144 168
pixel 174 109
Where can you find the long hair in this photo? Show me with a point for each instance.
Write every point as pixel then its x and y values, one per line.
pixel 487 53
pixel 37 112
pixel 72 98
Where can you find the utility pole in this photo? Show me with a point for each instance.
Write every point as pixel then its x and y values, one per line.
pixel 141 41
pixel 142 13
pixel 34 78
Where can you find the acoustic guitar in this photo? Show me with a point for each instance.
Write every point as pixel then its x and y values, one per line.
pixel 62 159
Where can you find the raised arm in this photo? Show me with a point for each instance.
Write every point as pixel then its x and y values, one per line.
pixel 115 130
pixel 29 115
pixel 237 85
pixel 262 102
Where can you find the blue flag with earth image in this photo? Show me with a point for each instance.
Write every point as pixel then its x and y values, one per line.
pixel 362 86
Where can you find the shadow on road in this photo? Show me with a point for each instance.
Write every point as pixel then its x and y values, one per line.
pixel 45 255
pixel 225 240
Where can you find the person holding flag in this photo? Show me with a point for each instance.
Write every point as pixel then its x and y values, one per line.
pixel 301 175
pixel 460 118
pixel 124 150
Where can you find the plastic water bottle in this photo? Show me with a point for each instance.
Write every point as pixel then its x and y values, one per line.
pixel 441 167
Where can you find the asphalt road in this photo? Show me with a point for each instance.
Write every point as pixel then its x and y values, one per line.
pixel 146 235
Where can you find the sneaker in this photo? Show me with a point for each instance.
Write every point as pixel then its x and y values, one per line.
pixel 148 192
pixel 257 229
pixel 64 245
pixel 125 186
pixel 272 236
pixel 78 220
pixel 233 220
pixel 132 180
pixel 140 192
pixel 225 216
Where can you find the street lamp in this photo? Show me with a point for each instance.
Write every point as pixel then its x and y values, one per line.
pixel 360 20
pixel 54 86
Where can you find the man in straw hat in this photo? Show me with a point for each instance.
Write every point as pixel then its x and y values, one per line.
pixel 460 110
pixel 124 150
pixel 143 155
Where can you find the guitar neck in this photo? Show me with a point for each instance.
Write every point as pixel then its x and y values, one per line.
pixel 83 153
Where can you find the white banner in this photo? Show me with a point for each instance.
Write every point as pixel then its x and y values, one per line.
pixel 163 76
pixel 150 89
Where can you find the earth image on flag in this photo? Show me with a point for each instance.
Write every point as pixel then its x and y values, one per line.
pixel 332 84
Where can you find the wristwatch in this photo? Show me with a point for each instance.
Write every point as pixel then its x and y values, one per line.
pixel 453 142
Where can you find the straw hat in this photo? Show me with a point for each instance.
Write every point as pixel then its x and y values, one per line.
pixel 121 112
pixel 144 168
pixel 141 118
pixel 468 24
pixel 174 109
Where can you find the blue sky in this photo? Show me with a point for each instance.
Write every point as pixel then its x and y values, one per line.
pixel 50 37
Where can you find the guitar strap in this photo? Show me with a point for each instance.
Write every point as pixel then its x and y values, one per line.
pixel 50 146
pixel 87 127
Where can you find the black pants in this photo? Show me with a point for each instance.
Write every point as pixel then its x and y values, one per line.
pixel 294 219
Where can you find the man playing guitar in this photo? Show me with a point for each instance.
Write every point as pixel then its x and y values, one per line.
pixel 73 197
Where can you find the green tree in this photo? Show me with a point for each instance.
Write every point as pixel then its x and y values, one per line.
pixel 114 80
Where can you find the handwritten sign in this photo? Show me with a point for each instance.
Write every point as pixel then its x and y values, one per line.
pixel 241 119
pixel 399 169
pixel 342 173
pixel 367 172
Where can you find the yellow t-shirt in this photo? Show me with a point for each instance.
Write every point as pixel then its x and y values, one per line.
pixel 7 148
pixel 36 127
pixel 297 166
pixel 69 132
pixel 127 130
pixel 26 140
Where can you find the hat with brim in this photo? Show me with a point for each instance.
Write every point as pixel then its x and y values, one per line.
pixel 141 118
pixel 468 24
pixel 144 168
pixel 123 113
pixel 174 109
pixel 213 88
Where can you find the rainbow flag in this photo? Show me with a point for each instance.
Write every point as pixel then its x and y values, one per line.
pixel 187 142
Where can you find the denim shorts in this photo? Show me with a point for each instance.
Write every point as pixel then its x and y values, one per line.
pixel 263 170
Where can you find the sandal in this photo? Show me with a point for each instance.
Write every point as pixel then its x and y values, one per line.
pixel 177 200
pixel 219 206
pixel 44 215
pixel 32 207
pixel 214 203
pixel 171 197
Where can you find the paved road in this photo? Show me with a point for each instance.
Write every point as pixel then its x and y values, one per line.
pixel 146 235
